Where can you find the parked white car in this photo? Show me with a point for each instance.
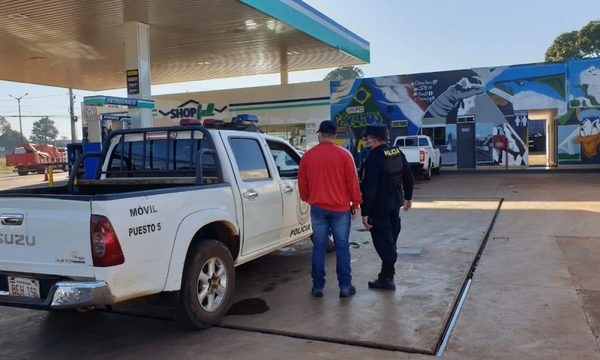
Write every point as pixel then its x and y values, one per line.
pixel 422 156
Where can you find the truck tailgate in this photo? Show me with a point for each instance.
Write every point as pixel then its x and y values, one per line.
pixel 411 153
pixel 45 236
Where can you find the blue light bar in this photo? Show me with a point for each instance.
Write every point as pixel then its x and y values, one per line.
pixel 244 117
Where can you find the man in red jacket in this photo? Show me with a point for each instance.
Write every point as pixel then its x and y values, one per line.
pixel 328 181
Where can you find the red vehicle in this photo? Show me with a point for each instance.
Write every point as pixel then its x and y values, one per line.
pixel 35 158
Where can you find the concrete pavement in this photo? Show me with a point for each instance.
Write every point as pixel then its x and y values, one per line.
pixel 535 292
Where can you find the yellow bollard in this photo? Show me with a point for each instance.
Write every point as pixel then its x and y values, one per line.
pixel 50 176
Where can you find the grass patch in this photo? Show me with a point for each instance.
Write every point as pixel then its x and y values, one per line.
pixel 5 169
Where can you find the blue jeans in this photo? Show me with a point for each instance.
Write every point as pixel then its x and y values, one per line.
pixel 339 223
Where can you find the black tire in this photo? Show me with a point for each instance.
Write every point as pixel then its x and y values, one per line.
pixel 438 169
pixel 22 172
pixel 41 171
pixel 427 173
pixel 198 294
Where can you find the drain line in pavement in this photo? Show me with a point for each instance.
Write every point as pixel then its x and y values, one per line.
pixel 465 288
pixel 291 334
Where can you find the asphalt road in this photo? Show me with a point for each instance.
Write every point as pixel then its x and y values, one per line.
pixel 11 181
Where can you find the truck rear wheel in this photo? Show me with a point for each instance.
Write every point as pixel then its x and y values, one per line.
pixel 438 169
pixel 22 172
pixel 207 286
pixel 427 173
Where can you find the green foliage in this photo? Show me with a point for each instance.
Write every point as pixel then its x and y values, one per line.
pixel 44 131
pixel 564 48
pixel 584 43
pixel 3 168
pixel 9 138
pixel 345 73
pixel 589 39
pixel 4 125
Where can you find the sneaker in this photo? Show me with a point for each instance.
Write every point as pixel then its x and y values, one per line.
pixel 317 292
pixel 383 284
pixel 348 292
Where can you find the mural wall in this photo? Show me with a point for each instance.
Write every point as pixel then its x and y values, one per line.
pixel 497 98
pixel 579 128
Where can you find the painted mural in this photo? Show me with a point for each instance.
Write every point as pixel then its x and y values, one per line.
pixel 579 127
pixel 497 98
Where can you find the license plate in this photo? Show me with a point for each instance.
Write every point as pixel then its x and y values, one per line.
pixel 22 286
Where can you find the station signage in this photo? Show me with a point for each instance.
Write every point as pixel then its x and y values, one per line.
pixel 192 109
pixel 102 100
pixel 133 82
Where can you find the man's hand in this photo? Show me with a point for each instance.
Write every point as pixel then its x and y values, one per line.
pixel 366 222
pixel 407 204
pixel 354 214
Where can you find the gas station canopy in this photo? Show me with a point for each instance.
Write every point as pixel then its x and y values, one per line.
pixel 80 44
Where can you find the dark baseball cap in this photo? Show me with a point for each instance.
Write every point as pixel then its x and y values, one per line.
pixel 328 127
pixel 379 131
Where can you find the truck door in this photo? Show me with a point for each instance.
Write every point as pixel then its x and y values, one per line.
pixel 259 189
pixel 296 215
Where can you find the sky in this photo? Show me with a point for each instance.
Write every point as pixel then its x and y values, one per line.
pixel 406 37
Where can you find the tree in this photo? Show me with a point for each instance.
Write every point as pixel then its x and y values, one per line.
pixel 44 131
pixel 9 138
pixel 4 125
pixel 345 73
pixel 564 48
pixel 589 39
pixel 576 44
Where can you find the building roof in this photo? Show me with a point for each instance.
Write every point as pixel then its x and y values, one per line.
pixel 79 44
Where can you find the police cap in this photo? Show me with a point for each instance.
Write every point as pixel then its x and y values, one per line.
pixel 379 131
pixel 327 127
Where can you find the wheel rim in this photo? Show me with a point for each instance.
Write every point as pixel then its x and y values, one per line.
pixel 212 284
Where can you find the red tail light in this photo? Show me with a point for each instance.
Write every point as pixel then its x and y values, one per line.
pixel 106 250
pixel 421 156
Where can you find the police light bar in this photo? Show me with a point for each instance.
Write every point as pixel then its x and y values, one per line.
pixel 245 118
pixel 184 122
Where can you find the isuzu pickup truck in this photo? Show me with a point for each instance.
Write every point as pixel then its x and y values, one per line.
pixel 169 211
pixel 422 156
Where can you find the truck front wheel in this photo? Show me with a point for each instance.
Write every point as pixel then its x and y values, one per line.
pixel 207 286
pixel 23 172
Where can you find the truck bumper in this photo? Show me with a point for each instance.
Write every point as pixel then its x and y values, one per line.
pixel 80 294
pixel 416 166
pixel 65 295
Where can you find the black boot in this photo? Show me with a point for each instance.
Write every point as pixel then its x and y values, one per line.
pixel 383 283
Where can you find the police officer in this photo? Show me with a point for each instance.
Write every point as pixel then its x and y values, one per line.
pixel 386 186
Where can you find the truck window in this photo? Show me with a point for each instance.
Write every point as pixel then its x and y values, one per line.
pixel 286 159
pixel 174 154
pixel 410 142
pixel 250 159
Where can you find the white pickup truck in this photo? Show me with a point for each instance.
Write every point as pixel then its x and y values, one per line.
pixel 422 156
pixel 170 211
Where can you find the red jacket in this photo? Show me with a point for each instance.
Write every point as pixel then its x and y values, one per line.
pixel 327 178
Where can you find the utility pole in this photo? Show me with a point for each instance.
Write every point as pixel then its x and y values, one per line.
pixel 19 102
pixel 73 117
